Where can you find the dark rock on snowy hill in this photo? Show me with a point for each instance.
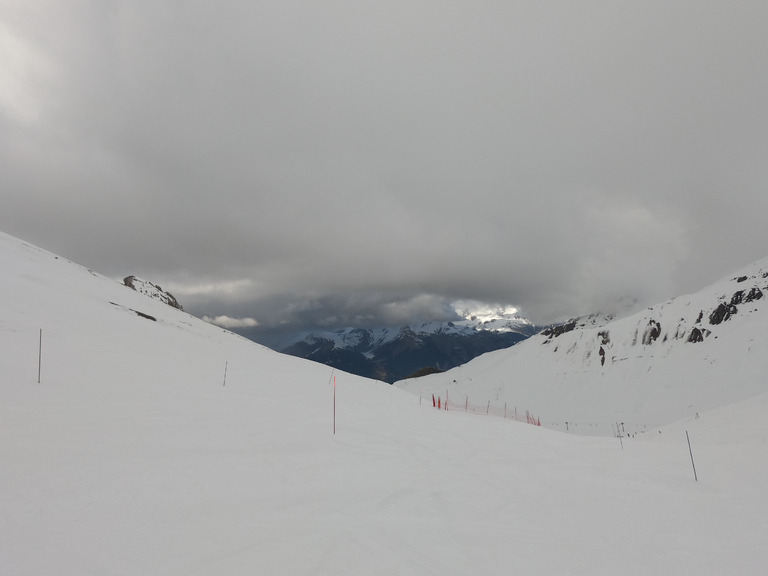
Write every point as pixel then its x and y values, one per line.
pixel 658 326
pixel 152 290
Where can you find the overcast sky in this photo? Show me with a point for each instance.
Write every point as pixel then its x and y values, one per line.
pixel 356 162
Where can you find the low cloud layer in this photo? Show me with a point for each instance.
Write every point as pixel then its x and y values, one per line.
pixel 347 163
pixel 232 323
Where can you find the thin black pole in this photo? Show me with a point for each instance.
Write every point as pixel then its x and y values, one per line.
pixel 334 404
pixel 225 372
pixel 40 357
pixel 695 476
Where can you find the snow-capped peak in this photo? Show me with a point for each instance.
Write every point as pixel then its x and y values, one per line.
pixel 484 316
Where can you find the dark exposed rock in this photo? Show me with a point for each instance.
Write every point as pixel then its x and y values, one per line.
pixel 695 336
pixel 737 297
pixel 152 290
pixel 141 314
pixel 560 329
pixel 741 278
pixel 722 313
pixel 701 315
pixel 652 332
pixel 754 294
pixel 604 336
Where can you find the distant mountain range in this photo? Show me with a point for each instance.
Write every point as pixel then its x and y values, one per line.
pixel 391 354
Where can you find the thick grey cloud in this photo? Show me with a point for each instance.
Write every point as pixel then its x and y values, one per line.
pixel 351 162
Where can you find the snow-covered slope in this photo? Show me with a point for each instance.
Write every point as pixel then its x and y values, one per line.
pixel 134 455
pixel 662 364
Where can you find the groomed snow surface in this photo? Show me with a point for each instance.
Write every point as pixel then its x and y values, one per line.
pixel 131 456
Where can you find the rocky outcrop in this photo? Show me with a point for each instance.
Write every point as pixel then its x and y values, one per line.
pixel 722 313
pixel 652 332
pixel 152 290
pixel 559 329
pixel 697 335
pixel 662 328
